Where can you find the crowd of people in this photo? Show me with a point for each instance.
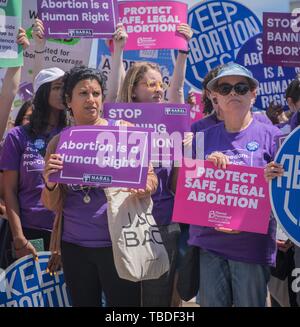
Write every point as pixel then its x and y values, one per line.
pixel 235 266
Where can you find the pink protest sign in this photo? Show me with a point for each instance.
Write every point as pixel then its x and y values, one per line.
pixel 153 24
pixel 235 198
pixel 196 111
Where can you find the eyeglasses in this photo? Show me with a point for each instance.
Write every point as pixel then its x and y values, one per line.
pixel 154 85
pixel 239 88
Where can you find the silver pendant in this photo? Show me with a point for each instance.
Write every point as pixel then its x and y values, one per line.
pixel 86 199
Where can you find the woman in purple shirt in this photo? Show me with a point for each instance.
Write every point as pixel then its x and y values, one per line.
pixel 234 265
pixel 80 232
pixel 22 163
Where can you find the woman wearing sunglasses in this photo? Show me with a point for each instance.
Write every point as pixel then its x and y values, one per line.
pixel 234 265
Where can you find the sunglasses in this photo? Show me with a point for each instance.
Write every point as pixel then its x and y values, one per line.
pixel 239 88
pixel 154 85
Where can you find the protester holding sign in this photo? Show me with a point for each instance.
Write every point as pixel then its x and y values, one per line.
pixel 22 162
pixel 234 265
pixel 143 83
pixel 86 249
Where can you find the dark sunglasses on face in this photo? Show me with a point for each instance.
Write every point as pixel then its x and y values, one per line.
pixel 239 88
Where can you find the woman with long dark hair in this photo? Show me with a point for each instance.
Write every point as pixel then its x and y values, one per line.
pixel 22 163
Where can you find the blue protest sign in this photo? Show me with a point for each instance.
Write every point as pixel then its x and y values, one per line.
pixel 26 284
pixel 285 190
pixel 220 29
pixel 273 80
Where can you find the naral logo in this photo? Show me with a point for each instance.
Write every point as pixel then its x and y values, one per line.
pixel 102 179
pixel 175 111
pixel 80 32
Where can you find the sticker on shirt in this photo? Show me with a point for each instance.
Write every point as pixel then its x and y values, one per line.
pixel 252 146
pixel 32 159
pixel 39 144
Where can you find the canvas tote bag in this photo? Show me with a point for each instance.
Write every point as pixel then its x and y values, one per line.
pixel 138 250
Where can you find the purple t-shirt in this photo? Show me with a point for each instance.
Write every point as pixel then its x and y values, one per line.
pixel 23 154
pixel 205 123
pixel 212 120
pixel 86 224
pixel 163 199
pixel 254 146
pixel 294 120
pixel 261 117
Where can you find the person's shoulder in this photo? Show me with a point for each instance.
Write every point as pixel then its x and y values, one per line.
pixel 263 128
pixel 204 123
pixel 214 129
pixel 262 117
pixel 19 132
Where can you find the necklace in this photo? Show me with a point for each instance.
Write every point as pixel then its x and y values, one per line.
pixel 86 198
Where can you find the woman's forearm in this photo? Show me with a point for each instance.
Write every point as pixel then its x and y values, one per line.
pixel 9 90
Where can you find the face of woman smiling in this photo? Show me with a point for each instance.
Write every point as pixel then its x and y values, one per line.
pixel 86 102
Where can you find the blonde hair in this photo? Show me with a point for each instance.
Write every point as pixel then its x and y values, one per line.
pixel 135 73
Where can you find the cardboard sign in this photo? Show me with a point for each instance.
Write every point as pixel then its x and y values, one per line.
pixel 167 121
pixel 153 24
pixel 84 19
pixel 281 39
pixel 106 156
pixel 236 198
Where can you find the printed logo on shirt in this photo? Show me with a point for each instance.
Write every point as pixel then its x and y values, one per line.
pixel 39 144
pixel 252 146
pixel 32 159
pixel 237 156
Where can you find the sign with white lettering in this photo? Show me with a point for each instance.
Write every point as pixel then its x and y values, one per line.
pixel 281 39
pixel 153 24
pixel 220 29
pixel 106 156
pixel 27 284
pixel 285 190
pixel 236 197
pixel 83 19
pixel 273 80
